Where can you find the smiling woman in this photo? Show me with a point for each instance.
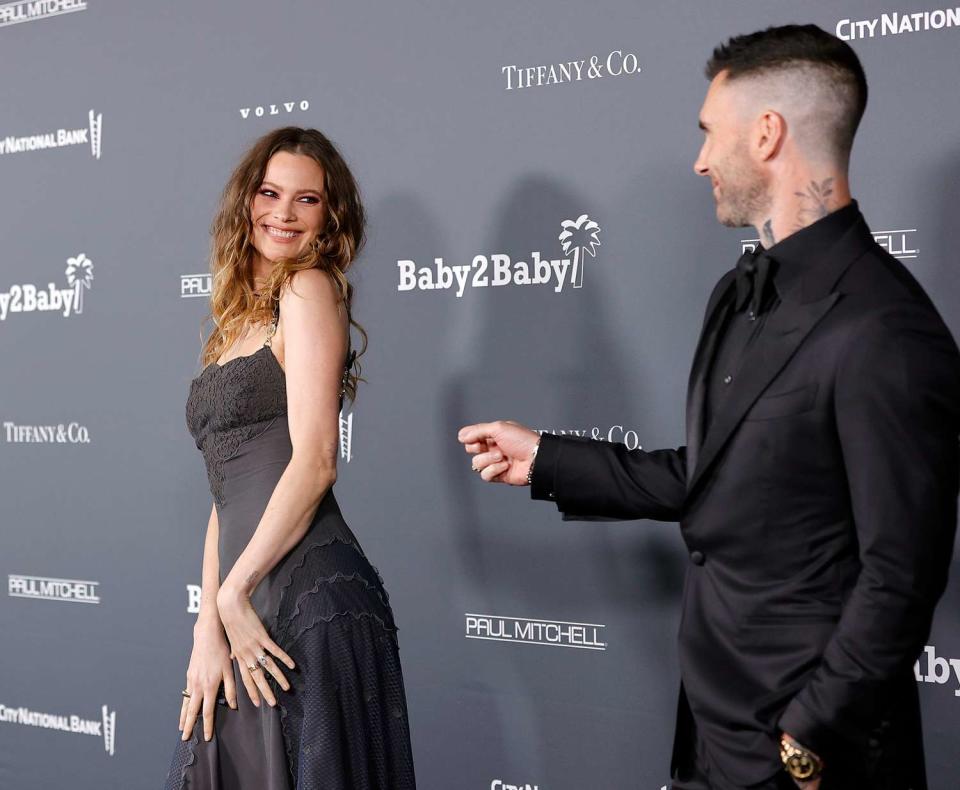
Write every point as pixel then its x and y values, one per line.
pixel 291 612
pixel 291 204
pixel 272 219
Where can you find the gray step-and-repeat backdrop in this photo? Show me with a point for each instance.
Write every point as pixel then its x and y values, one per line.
pixel 537 653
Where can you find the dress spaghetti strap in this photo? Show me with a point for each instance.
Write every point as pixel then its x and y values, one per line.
pixel 351 354
pixel 272 330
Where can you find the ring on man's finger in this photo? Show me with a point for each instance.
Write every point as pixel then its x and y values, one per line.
pixel 185 693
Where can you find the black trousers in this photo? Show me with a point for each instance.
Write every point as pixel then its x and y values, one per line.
pixel 700 780
pixel 695 774
pixel 895 761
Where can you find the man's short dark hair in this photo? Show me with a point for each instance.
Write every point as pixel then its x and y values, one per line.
pixel 779 49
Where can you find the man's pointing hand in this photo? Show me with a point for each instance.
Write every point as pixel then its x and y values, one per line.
pixel 501 450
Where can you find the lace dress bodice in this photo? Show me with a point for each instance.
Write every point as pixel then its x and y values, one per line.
pixel 232 403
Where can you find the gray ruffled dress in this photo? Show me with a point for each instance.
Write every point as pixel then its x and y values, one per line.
pixel 343 723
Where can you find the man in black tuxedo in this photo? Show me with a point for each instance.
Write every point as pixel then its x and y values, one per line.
pixel 817 490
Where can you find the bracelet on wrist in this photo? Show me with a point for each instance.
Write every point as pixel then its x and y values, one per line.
pixel 533 458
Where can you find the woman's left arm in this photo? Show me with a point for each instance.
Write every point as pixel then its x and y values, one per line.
pixel 315 337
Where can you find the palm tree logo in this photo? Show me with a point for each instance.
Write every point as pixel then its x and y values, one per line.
pixel 79 273
pixel 580 235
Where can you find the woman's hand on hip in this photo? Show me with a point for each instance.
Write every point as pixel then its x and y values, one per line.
pixel 251 646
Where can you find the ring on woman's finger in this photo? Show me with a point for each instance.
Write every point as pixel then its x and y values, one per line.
pixel 262 658
pixel 185 693
pixel 253 668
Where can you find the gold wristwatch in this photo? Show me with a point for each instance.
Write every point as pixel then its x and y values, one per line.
pixel 798 762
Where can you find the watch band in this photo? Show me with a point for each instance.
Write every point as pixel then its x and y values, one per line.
pixel 800 763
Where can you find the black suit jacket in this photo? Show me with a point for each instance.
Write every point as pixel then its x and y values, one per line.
pixel 819 512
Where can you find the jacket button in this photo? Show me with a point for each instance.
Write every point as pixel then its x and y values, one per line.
pixel 697 558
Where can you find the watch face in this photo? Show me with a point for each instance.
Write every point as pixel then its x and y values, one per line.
pixel 800 766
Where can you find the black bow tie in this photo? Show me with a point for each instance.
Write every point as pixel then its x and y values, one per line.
pixel 753 272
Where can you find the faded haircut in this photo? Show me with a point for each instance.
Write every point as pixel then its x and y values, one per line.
pixel 818 69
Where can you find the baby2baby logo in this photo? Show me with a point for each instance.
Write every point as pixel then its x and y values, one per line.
pixel 578 238
pixel 32 298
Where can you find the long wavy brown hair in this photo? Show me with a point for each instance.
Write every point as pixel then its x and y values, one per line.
pixel 233 301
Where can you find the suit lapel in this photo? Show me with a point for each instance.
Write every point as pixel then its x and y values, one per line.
pixel 799 312
pixel 783 334
pixel 717 311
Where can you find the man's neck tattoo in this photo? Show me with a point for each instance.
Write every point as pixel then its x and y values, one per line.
pixel 815 202
pixel 768 238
